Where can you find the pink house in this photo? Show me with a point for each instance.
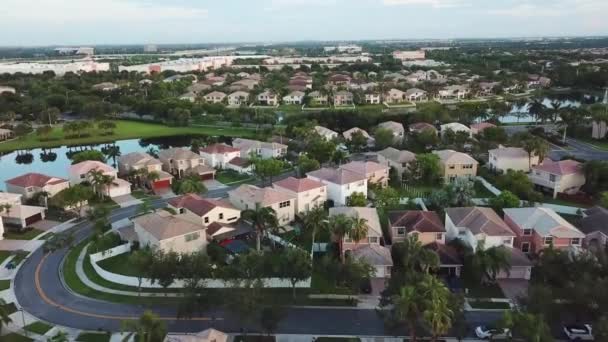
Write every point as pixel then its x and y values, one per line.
pixel 564 176
pixel 538 228
pixel 477 128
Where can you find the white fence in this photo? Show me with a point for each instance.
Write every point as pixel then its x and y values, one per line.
pixel 147 283
pixel 491 188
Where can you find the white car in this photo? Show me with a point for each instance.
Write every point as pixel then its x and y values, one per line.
pixel 579 332
pixel 485 333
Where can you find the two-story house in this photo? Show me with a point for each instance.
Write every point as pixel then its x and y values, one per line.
pixel 395 127
pixel 238 98
pixel 262 149
pixel 425 225
pixel 373 98
pixel 204 211
pixel 215 97
pixel 250 197
pixel 309 193
pixel 17 215
pixel 268 98
pixel 394 96
pixel 502 159
pixel 456 165
pixel 538 228
pixel 564 176
pixel 167 232
pixel 455 127
pixel 341 183
pixel 394 158
pixel 294 98
pixel 181 162
pixel 32 183
pixel 374 172
pixel 138 160
pixel 82 172
pixel 415 95
pixel 369 248
pixel 218 155
pixel 318 98
pixel 343 98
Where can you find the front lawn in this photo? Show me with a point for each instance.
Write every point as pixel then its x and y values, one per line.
pixel 5 284
pixel 230 177
pixel 4 255
pixel 14 337
pixel 481 191
pixel 26 234
pixel 93 337
pixel 485 291
pixel 39 328
pixel 415 191
pixel 119 264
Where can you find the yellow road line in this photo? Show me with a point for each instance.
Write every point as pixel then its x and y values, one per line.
pixel 82 313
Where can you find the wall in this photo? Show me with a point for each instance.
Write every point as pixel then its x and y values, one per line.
pixel 210 283
pixel 488 186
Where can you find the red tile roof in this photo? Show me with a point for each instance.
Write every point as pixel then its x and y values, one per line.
pixel 34 179
pixel 562 167
pixel 219 148
pixel 299 184
pixel 196 204
pixel 238 161
pixel 416 220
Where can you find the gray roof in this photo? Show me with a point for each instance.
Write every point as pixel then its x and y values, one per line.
pixel 595 220
pixel 373 254
pixel 544 221
pixel 479 220
pixel 397 156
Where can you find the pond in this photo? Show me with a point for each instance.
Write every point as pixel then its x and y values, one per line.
pixel 520 113
pixel 56 161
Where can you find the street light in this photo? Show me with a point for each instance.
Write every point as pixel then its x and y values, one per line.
pixel 23 319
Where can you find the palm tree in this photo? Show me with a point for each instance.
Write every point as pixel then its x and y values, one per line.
pixel 487 263
pixel 191 184
pixel 4 314
pixel 340 225
pixel 541 147
pixel 261 218
pixel 438 316
pixel 148 328
pixel 358 230
pixel 407 306
pixel 537 108
pixel 315 220
pixel 152 177
pixel 99 180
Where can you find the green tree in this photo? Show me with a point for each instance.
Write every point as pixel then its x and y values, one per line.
pixel 99 180
pixel 74 197
pixel 530 327
pixel 191 184
pixel 296 266
pixel 43 132
pixel 307 164
pixel 267 168
pixel 107 127
pixel 141 260
pixel 261 218
pixel 483 265
pixel 340 225
pixel 384 138
pixel 315 220
pixel 321 150
pixel 386 198
pixel 518 183
pixel 407 307
pixel 604 199
pixel 506 199
pixel 164 267
pixel 424 170
pixel 88 155
pixel 4 314
pixel 437 313
pixel 148 328
pixel 357 142
pixel 356 199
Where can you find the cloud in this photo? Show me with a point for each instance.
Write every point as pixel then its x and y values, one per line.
pixel 557 8
pixel 431 3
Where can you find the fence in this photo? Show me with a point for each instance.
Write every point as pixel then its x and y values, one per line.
pixel 491 188
pixel 179 283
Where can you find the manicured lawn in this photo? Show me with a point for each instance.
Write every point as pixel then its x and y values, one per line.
pixel 124 130
pixel 485 291
pixel 13 337
pixel 93 337
pixel 558 201
pixel 142 195
pixel 232 177
pixel 4 255
pixel 39 328
pixel 29 234
pixel 414 191
pixel 481 191
pixel 5 284
pixel 119 264
pixel 480 304
pixel 600 144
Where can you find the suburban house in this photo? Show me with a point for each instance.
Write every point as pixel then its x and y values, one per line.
pixel 264 150
pixel 189 96
pixel 339 80
pixel 138 160
pixel 198 88
pixel 474 224
pixel 455 127
pixel 349 133
pixel 317 98
pixel 32 183
pixel 537 81
pixel 450 261
pixel 181 162
pixel 564 176
pixel 6 134
pixel 209 335
pixel 218 155
pixel 454 92
pixel 245 84
pixel 369 249
pixel 294 98
pixel 343 98
pixel 394 96
pixel 18 215
pixel 415 95
pixel 425 225
pixel 167 232
pixel 503 158
pixel 373 98
pixel 341 183
pixel 268 98
pixel 215 97
pixel 240 165
pixel 538 228
pixel 395 127
pixel 326 133
pixel 309 193
pixel 456 165
pixel 375 173
pixel 478 128
pixel 81 172
pixel 250 197
pixel 238 98
pixel 487 88
pixel 204 211
pixel 593 225
pixel 420 127
pixel 394 158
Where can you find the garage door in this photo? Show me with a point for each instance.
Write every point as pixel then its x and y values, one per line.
pixel 120 191
pixel 33 219
pixel 515 273
pixel 207 176
pixel 162 184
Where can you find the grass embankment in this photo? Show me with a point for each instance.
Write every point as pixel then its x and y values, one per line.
pixel 14 337
pixel 93 337
pixel 39 328
pixel 230 177
pixel 124 130
pixel 28 234
pixel 5 285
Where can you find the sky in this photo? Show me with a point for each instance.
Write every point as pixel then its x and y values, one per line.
pixel 71 22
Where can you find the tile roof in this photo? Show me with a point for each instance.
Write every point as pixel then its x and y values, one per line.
pixel 219 149
pixel 241 144
pixel 509 152
pixel 34 179
pixel 163 226
pixel 347 134
pixel 545 221
pixel 421 126
pixel 241 162
pixel 178 153
pixel 373 254
pixel 397 156
pixel 263 196
pixel 416 220
pixel 479 220
pixel 298 184
pixel 199 206
pixel 88 165
pixel 562 167
pixel 369 214
pixel 138 158
pixel 482 125
pixel 448 255
pixel 454 157
pixel 364 167
pixel 337 176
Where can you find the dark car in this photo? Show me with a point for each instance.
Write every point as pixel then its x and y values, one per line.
pixel 366 286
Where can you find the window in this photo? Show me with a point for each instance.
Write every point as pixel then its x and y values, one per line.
pixel 575 241
pixel 439 236
pixel 548 240
pixel 552 178
pixel 30 189
pixel 192 237
pixel 221 216
pixel 527 232
pixel 82 176
pixel 284 204
pixel 525 247
pixel 507 241
pixel 452 167
pixel 206 219
pixel 400 231
pixel 372 239
pixel 182 210
pixel 467 166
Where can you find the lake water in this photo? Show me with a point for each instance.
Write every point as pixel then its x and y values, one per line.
pixel 520 113
pixel 55 161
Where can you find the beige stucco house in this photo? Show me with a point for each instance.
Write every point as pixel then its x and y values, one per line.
pixel 564 176
pixel 81 172
pixel 456 165
pixel 32 183
pixel 425 225
pixel 503 158
pixel 181 162
pixel 375 173
pixel 204 211
pixel 139 160
pixel 309 193
pixel 392 157
pixel 169 232
pixel 250 196
pixel 341 183
pixel 262 149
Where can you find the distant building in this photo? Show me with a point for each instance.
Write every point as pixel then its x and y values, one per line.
pixel 150 48
pixel 409 55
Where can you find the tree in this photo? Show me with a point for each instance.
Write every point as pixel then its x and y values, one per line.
pixel 459 193
pixel 88 155
pixel 340 226
pixel 270 318
pixel 267 168
pixel 43 132
pixel 384 138
pixel 4 314
pixel 386 198
pixel 99 180
pixel 506 199
pixel 356 199
pixel 437 314
pixel 148 328
pixel 483 265
pixel 60 336
pixel 107 127
pixel 191 184
pixel 315 220
pixel 144 208
pixel 164 268
pixel 358 229
pixel 425 169
pixel 518 183
pixel 320 149
pixel 296 266
pixel 307 164
pixel 261 218
pixel 530 327
pixel 407 307
pixel 412 258
pixel 357 142
pixel 74 197
pixel 141 260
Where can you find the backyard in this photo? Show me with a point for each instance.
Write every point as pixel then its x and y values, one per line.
pixel 230 177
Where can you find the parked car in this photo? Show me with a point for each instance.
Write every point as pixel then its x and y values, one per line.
pixel 485 333
pixel 366 286
pixel 579 332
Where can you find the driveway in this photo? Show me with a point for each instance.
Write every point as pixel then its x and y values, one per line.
pixel 45 225
pixel 126 201
pixel 514 288
pixel 213 184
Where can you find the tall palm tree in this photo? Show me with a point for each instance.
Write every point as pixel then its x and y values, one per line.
pixel 315 220
pixel 191 184
pixel 438 316
pixel 407 306
pixel 537 108
pixel 148 328
pixel 487 263
pixel 340 225
pixel 4 314
pixel 359 229
pixel 261 218
pixel 99 180
pixel 541 148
